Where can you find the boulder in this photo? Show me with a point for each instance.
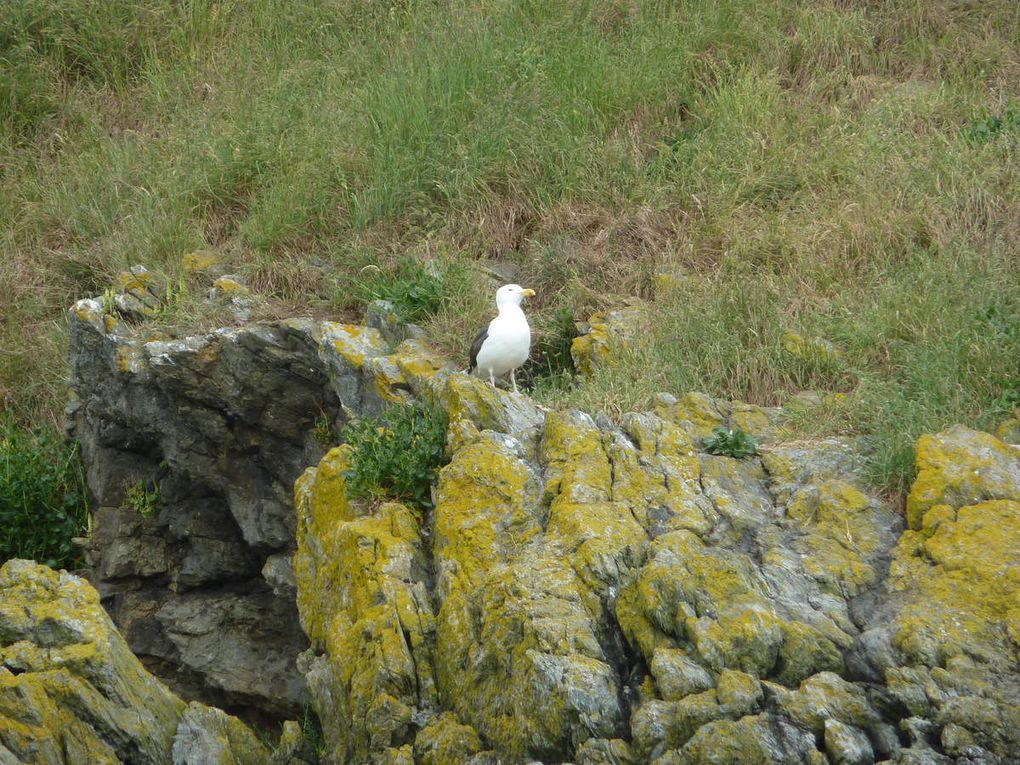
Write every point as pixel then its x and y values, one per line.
pixel 71 691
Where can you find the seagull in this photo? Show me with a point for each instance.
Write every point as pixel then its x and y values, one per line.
pixel 503 345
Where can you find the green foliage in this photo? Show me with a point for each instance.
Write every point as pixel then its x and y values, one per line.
pixel 730 443
pixel 397 455
pixel 43 497
pixel 143 497
pixel 989 126
pixel 550 363
pixel 415 292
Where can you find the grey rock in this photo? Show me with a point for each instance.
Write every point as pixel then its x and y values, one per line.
pixel 677 675
pixel 847 745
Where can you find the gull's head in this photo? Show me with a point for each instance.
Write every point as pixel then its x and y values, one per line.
pixel 512 294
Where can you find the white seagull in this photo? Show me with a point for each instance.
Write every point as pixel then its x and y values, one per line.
pixel 503 345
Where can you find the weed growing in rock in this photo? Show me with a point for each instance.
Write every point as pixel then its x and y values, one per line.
pixel 311 729
pixel 730 443
pixel 143 497
pixel 397 455
pixel 42 496
pixel 323 433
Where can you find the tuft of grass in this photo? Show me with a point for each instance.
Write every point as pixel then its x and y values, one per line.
pixel 311 729
pixel 730 443
pixel 397 455
pixel 43 497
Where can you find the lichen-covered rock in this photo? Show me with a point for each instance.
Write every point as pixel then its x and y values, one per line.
pixel 361 584
pixel 71 692
pixel 605 336
pixel 962 467
pixel 444 740
pixel 584 590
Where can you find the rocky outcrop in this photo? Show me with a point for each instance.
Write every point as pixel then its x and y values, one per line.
pixel 192 447
pixel 584 590
pixel 71 692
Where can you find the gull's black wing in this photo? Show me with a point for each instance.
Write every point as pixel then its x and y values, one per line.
pixel 476 346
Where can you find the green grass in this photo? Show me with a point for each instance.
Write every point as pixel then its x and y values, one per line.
pixel 42 496
pixel 844 170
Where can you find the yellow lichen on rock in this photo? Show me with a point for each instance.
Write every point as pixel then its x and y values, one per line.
pixel 966 580
pixel 197 261
pixel 72 692
pixel 486 510
pixel 962 467
pixel 602 540
pixel 606 336
pixel 363 603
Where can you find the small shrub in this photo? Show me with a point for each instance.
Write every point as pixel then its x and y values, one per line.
pixel 415 293
pixel 43 501
pixel 397 455
pixel 730 443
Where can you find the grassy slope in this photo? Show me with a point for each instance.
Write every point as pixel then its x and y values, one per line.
pixel 826 168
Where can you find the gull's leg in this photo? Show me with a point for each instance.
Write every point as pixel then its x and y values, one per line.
pixel 514 380
pixel 492 379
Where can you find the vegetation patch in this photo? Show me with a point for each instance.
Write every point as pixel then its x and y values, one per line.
pixel 397 455
pixel 43 497
pixel 415 292
pixel 731 442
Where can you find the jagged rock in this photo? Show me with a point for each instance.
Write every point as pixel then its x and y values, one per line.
pixel 382 316
pixel 71 692
pixel 847 745
pixel 444 740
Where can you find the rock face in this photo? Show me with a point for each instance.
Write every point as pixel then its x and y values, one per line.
pixel 585 590
pixel 192 447
pixel 72 693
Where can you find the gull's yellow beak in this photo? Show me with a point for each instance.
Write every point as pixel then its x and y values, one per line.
pixel 528 293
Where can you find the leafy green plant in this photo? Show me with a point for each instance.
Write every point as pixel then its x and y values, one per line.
pixel 987 127
pixel 415 293
pixel 143 497
pixel 732 442
pixel 396 455
pixel 43 498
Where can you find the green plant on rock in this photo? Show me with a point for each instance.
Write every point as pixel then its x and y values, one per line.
pixel 43 497
pixel 732 442
pixel 396 455
pixel 143 497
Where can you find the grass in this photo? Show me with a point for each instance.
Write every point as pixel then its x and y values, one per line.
pixel 843 170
